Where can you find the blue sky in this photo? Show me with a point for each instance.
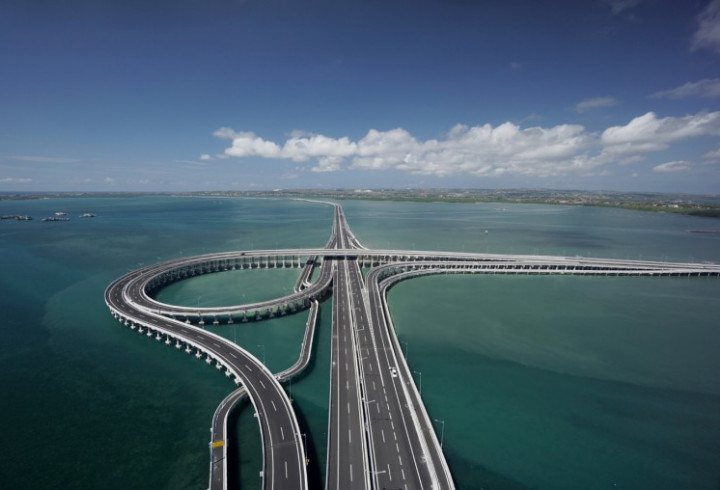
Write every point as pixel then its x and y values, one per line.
pixel 225 94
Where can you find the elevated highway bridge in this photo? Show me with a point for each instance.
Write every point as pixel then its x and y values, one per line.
pixel 379 432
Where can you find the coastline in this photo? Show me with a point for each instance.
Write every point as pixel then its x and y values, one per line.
pixel 707 206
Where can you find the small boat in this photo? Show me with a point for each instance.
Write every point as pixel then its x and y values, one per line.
pixel 88 215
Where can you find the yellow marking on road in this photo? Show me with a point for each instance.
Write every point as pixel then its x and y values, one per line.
pixel 218 443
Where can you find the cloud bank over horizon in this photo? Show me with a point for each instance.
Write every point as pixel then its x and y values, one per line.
pixel 485 150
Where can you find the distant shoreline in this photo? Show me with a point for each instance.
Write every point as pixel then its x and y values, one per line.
pixel 686 204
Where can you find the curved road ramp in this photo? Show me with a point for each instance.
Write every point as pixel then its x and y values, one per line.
pixel 379 433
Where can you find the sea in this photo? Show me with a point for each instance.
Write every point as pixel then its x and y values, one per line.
pixel 536 382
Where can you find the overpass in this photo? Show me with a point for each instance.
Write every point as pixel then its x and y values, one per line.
pixel 379 433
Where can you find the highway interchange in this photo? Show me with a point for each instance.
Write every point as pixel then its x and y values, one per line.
pixel 379 432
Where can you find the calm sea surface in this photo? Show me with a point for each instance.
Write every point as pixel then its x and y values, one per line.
pixel 535 382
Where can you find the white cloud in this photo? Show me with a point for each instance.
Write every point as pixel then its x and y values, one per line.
pixel 109 180
pixel 708 32
pixel 677 166
pixel 649 133
pixel 708 87
pixel 480 150
pixel 485 150
pixel 328 164
pixel 37 159
pixel 15 180
pixel 712 156
pixel 205 157
pixel 224 133
pixel 246 144
pixel 594 103
pixel 297 148
pixel 301 148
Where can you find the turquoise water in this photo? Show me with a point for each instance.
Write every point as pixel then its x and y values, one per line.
pixel 542 382
pixel 569 382
pixel 231 288
pixel 88 404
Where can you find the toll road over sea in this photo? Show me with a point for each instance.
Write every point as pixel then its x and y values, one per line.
pixel 379 432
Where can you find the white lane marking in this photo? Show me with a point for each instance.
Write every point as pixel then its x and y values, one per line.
pixel 389 472
pixel 382 433
pixel 403 473
pixel 201 337
pixel 282 434
pixel 349 436
pixel 262 384
pixel 286 472
pixel 351 472
pixel 348 407
pixel 233 355
pixel 395 436
pixel 249 368
pixel 374 387
pixel 400 459
pixel 397 448
pixel 273 404
pixel 216 344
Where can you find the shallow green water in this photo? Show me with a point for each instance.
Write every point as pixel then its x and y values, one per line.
pixel 542 382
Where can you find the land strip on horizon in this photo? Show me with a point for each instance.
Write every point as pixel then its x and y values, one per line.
pixel 689 204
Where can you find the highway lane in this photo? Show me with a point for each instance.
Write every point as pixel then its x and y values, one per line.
pixel 218 440
pixel 347 462
pixel 283 452
pixel 400 455
pixel 418 454
pixel 347 458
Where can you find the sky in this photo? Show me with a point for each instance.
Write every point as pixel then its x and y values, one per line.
pixel 182 95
